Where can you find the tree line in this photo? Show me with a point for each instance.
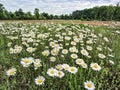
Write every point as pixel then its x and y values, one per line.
pixel 102 13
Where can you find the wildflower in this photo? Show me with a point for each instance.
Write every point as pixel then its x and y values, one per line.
pixel 95 66
pixel 52 72
pixel 106 39
pixel 101 56
pixel 111 62
pixel 11 50
pixel 46 52
pixel 30 49
pixel 67 38
pixel 64 51
pixel 74 56
pixel 65 66
pixel 84 52
pixel 73 49
pixel 73 43
pixel 89 85
pixel 79 61
pixel 26 61
pixel 59 67
pixel 40 80
pixel 52 59
pixel 37 63
pixel 72 70
pixel 98 48
pixel 84 65
pixel 89 48
pixel 60 74
pixel 52 44
pixel 11 72
pixel 55 51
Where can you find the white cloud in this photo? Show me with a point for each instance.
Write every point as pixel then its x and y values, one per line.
pixel 54 6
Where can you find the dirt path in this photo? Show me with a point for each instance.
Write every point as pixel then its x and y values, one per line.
pixel 96 23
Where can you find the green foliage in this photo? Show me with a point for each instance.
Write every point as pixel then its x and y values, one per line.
pixel 102 13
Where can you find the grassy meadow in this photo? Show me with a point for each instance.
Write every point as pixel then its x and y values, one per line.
pixel 54 56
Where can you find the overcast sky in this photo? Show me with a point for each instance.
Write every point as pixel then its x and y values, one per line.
pixel 54 6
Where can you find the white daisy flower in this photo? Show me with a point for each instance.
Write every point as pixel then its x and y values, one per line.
pixel 89 48
pixel 52 59
pixel 55 51
pixel 95 66
pixel 89 85
pixel 52 72
pixel 79 61
pixel 40 80
pixel 46 52
pixel 26 61
pixel 111 62
pixel 73 70
pixel 37 63
pixel 84 52
pixel 84 65
pixel 65 66
pixel 59 67
pixel 11 72
pixel 30 49
pixel 64 51
pixel 101 56
pixel 60 74
pixel 74 56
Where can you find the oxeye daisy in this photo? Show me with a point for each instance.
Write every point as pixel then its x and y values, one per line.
pixel 74 56
pixel 89 48
pixel 101 56
pixel 30 49
pixel 11 72
pixel 37 63
pixel 79 61
pixel 55 51
pixel 40 80
pixel 111 62
pixel 26 61
pixel 65 66
pixel 84 52
pixel 60 74
pixel 72 70
pixel 64 51
pixel 11 50
pixel 59 67
pixel 84 65
pixel 52 72
pixel 89 85
pixel 46 52
pixel 95 66
pixel 52 59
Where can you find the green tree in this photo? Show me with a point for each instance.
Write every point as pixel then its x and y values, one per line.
pixel 1 11
pixel 36 13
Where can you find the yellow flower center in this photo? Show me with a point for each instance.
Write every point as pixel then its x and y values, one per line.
pixel 26 60
pixel 84 52
pixel 72 69
pixel 79 61
pixel 89 85
pixel 12 72
pixel 37 64
pixel 95 66
pixel 52 71
pixel 40 80
pixel 59 73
